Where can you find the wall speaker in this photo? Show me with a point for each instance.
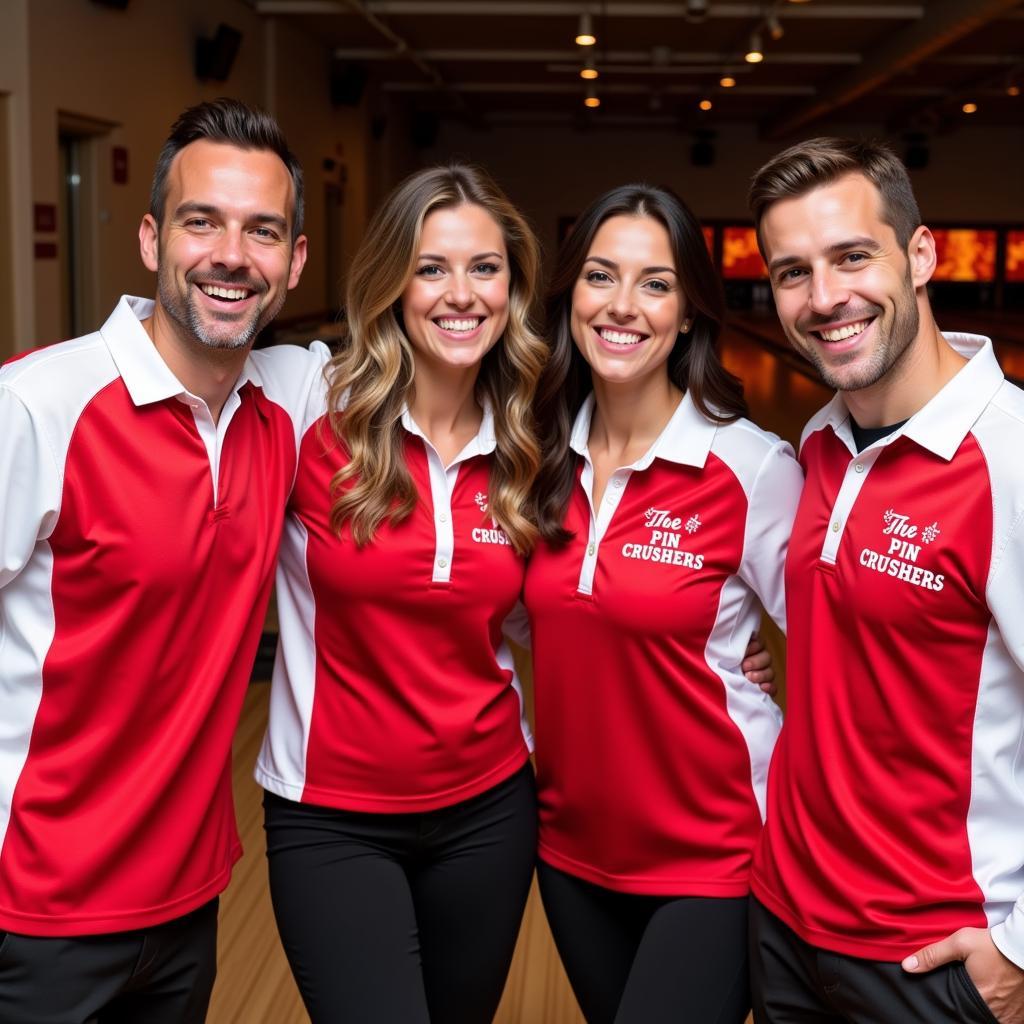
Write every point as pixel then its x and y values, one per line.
pixel 348 81
pixel 215 56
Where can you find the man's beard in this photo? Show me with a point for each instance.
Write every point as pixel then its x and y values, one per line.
pixel 889 347
pixel 181 307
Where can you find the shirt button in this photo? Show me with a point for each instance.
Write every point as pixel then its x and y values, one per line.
pixel 442 563
pixel 617 482
pixel 443 517
pixel 858 467
pixel 835 526
pixel 590 549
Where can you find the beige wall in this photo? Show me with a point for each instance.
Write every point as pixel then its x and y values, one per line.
pixel 134 70
pixel 17 318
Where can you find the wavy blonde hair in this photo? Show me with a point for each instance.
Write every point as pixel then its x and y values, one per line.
pixel 371 377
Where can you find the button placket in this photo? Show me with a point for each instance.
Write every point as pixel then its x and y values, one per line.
pixel 857 472
pixel 442 484
pixel 599 522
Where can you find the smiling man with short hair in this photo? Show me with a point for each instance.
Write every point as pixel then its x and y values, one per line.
pixel 888 883
pixel 144 471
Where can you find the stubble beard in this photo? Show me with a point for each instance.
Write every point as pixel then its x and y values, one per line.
pixel 182 309
pixel 890 346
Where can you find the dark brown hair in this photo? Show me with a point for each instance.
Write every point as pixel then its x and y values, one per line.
pixel 233 123
pixel 816 162
pixel 693 365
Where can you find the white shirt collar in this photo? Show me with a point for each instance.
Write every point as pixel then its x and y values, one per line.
pixel 686 439
pixel 941 425
pixel 146 376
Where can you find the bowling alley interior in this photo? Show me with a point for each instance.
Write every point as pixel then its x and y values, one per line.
pixel 559 100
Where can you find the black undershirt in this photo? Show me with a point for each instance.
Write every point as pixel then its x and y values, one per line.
pixel 864 436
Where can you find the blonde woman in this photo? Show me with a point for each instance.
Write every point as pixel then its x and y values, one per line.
pixel 400 805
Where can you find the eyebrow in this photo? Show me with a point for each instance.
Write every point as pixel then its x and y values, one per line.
pixel 860 242
pixel 437 258
pixel 208 210
pixel 612 265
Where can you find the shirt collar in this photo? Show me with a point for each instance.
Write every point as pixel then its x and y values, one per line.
pixel 941 425
pixel 146 376
pixel 686 439
pixel 483 444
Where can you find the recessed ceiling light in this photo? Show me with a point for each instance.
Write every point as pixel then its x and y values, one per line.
pixel 970 108
pixel 754 54
pixel 727 81
pixel 705 104
pixel 585 32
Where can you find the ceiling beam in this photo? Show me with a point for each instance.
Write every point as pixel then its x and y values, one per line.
pixel 947 21
pixel 611 9
pixel 676 60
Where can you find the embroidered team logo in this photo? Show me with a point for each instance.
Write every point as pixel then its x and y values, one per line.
pixel 494 535
pixel 905 541
pixel 665 539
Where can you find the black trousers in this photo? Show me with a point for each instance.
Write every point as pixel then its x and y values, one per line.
pixel 403 918
pixel 796 983
pixel 649 959
pixel 158 975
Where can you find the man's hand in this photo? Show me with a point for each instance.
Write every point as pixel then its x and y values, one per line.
pixel 758 667
pixel 1000 981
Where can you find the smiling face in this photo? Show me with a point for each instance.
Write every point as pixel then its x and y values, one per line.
pixel 844 289
pixel 627 306
pixel 223 253
pixel 456 304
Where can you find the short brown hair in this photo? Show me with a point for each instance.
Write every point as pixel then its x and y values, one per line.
pixel 816 162
pixel 232 123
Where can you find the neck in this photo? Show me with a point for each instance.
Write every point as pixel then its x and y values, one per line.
pixel 443 404
pixel 927 365
pixel 209 373
pixel 628 418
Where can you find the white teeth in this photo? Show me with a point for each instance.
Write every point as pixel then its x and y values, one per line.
pixel 842 333
pixel 217 292
pixel 451 324
pixel 620 337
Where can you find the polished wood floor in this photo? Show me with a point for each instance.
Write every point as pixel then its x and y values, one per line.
pixel 254 985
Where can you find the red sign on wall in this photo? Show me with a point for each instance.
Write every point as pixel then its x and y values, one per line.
pixel 119 158
pixel 44 216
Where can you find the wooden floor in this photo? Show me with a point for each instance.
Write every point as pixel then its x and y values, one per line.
pixel 254 985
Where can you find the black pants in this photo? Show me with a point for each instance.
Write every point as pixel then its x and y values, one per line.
pixel 158 975
pixel 796 983
pixel 403 918
pixel 649 959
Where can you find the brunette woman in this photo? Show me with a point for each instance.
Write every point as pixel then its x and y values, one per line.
pixel 666 515
pixel 400 804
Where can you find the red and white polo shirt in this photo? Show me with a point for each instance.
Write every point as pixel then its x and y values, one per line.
pixel 137 546
pixel 652 748
pixel 896 796
pixel 394 690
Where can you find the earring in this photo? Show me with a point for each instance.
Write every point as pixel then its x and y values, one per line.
pixel 685 327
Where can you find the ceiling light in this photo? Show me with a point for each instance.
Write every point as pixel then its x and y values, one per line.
pixel 970 108
pixel 754 54
pixel 705 104
pixel 727 82
pixel 775 29
pixel 588 72
pixel 585 32
pixel 591 99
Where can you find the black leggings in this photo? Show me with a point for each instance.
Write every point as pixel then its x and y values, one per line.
pixel 403 918
pixel 649 959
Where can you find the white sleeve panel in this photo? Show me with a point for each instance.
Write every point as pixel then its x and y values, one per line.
pixel 281 765
pixel 996 815
pixel 293 377
pixel 771 509
pixel 30 485
pixel 517 626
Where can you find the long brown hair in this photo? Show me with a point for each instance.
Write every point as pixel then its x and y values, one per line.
pixel 693 365
pixel 371 376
